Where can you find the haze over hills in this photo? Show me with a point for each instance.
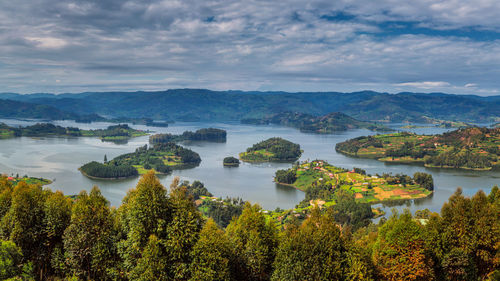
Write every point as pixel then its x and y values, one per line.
pixel 202 104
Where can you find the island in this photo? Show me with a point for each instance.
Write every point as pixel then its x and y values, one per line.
pixel 474 148
pixel 120 132
pixel 272 150
pixel 231 162
pixel 326 124
pixel 206 134
pixel 14 180
pixel 321 180
pixel 162 158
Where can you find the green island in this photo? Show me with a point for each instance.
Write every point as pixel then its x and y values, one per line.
pixel 162 158
pixel 205 134
pixel 272 150
pixel 326 124
pixel 320 180
pixel 474 148
pixel 120 132
pixel 231 161
pixel 14 180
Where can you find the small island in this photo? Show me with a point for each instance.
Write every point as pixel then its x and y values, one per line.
pixel 474 148
pixel 272 150
pixel 231 162
pixel 115 133
pixel 14 180
pixel 326 124
pixel 206 134
pixel 320 180
pixel 162 158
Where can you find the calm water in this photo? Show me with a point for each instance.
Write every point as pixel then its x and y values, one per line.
pixel 59 159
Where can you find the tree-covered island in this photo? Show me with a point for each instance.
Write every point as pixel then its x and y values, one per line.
pixel 321 180
pixel 272 150
pixel 473 148
pixel 162 158
pixel 120 132
pixel 205 134
pixel 231 161
pixel 326 124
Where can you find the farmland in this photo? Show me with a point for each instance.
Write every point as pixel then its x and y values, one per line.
pixel 470 148
pixel 322 180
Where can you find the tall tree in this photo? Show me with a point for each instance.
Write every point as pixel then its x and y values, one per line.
pixel 212 255
pixel 88 240
pixel 400 252
pixel 255 241
pixel 313 251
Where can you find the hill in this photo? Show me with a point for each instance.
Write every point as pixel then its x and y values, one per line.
pixel 162 158
pixel 201 104
pixel 270 150
pixel 326 124
pixel 473 148
pixel 205 134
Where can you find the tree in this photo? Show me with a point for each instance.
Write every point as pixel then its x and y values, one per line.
pixel 88 240
pixel 152 265
pixel 105 159
pixel 145 211
pixel 313 251
pixel 255 242
pixel 400 252
pixel 212 255
pixel 182 231
pixel 10 260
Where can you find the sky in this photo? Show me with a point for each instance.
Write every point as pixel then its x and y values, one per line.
pixel 62 46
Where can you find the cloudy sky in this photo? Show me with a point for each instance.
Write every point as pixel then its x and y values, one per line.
pixel 344 45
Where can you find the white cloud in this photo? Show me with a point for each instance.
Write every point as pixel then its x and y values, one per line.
pixel 48 42
pixel 425 84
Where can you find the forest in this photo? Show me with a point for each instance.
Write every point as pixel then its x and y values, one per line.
pixel 205 134
pixel 273 149
pixel 326 124
pixel 475 148
pixel 162 158
pixel 114 132
pixel 159 234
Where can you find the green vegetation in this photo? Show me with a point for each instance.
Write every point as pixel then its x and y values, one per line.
pixel 206 105
pixel 473 148
pixel 160 235
pixel 321 180
pixel 162 158
pixel 327 124
pixel 273 149
pixel 231 161
pixel 14 180
pixel 112 133
pixel 208 134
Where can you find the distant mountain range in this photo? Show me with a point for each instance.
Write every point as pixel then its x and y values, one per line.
pixel 201 104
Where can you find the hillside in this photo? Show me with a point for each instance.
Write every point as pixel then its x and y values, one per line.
pixel 326 124
pixel 201 104
pixel 473 148
pixel 272 150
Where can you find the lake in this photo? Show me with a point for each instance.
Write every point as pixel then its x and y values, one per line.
pixel 59 158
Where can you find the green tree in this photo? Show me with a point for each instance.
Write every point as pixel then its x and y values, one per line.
pixel 145 211
pixel 88 240
pixel 10 260
pixel 313 251
pixel 212 255
pixel 400 252
pixel 152 265
pixel 255 242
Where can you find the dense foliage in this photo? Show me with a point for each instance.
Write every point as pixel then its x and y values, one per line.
pixel 160 235
pixel 120 131
pixel 161 157
pixel 273 149
pixel 468 148
pixel 201 104
pixel 206 134
pixel 326 124
pixel 231 161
